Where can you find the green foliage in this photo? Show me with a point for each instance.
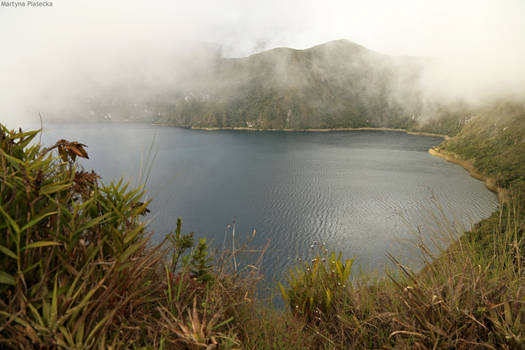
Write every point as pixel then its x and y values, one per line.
pixel 334 85
pixel 67 243
pixel 494 140
pixel 197 262
pixel 200 262
pixel 76 270
pixel 180 243
pixel 313 286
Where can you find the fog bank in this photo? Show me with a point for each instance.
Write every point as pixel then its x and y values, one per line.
pixel 55 58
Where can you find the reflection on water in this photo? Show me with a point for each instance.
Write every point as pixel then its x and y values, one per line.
pixel 360 192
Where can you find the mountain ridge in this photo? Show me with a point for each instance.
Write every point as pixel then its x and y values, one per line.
pixel 331 85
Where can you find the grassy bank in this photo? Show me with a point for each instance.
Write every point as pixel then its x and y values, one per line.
pixel 490 182
pixel 77 271
pixel 494 142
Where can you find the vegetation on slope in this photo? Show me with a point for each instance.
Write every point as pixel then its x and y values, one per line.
pixel 76 271
pixel 338 84
pixel 495 140
pixel 334 85
pixel 452 302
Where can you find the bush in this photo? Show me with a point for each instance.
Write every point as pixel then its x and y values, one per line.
pixel 313 286
pixel 76 269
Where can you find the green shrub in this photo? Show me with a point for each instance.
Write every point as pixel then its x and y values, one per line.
pixel 313 286
pixel 76 269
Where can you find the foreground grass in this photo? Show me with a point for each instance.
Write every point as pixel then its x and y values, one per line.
pixel 77 271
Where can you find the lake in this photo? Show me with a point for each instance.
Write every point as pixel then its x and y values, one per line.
pixel 362 192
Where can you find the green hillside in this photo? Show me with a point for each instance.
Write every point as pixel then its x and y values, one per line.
pixel 334 85
pixel 338 84
pixel 494 139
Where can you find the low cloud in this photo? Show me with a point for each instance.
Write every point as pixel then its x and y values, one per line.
pixel 57 56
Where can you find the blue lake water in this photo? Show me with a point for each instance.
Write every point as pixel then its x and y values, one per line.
pixel 363 192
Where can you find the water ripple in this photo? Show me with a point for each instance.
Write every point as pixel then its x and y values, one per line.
pixel 364 193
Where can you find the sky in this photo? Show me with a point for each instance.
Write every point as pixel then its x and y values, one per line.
pixel 46 52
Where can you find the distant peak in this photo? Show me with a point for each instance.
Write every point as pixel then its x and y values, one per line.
pixel 339 43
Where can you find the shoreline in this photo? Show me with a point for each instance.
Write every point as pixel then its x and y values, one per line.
pixel 490 182
pixel 242 128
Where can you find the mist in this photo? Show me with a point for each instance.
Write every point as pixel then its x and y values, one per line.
pixel 56 59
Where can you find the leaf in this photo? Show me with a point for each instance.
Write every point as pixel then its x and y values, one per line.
pixel 407 333
pixel 79 335
pixel 78 150
pixel 29 135
pixel 6 278
pixel 132 234
pixel 223 323
pixel 100 324
pixel 347 270
pixel 40 244
pixel 10 220
pixel 508 313
pixel 95 221
pixel 37 220
pixel 36 314
pixel 328 297
pixel 29 268
pixel 315 269
pixel 54 306
pixel 131 249
pixel 283 291
pixel 168 279
pixel 53 188
pixel 11 158
pixel 8 252
pixel 339 267
pixel 87 297
pixel 67 336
